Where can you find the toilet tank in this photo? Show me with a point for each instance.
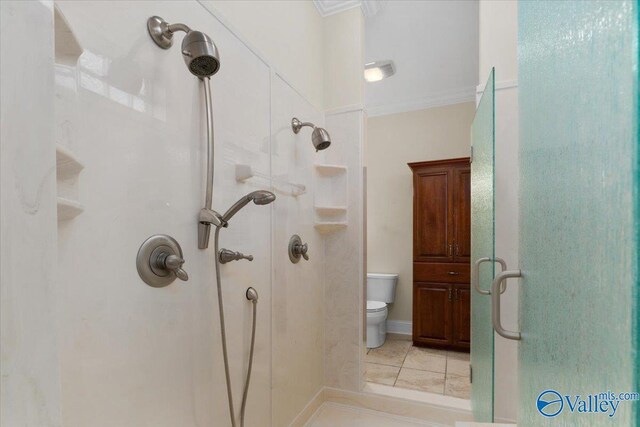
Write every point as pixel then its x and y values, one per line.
pixel 381 287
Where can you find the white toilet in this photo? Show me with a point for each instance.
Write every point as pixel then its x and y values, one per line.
pixel 381 290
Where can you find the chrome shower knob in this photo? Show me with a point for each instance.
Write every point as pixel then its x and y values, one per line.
pixel 226 255
pixel 160 261
pixel 297 249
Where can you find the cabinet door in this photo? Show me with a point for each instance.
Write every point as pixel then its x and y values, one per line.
pixel 432 303
pixel 462 316
pixel 462 213
pixel 432 214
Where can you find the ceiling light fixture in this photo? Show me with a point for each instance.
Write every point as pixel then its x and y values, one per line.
pixel 378 70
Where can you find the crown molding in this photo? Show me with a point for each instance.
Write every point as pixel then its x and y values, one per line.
pixel 501 85
pixel 331 7
pixel 440 100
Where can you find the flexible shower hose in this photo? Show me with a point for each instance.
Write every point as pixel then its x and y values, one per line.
pixel 223 334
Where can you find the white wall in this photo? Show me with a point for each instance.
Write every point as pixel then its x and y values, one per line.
pixel 30 370
pixel 498 48
pixel 128 354
pixel 498 36
pixel 344 249
pixel 344 60
pixel 289 34
pixel 298 289
pixel 393 141
pixel 132 113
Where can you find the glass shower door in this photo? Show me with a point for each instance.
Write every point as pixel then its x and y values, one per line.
pixel 578 94
pixel 482 248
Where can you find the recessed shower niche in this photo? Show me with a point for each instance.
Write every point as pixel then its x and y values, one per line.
pixel 68 166
pixel 330 198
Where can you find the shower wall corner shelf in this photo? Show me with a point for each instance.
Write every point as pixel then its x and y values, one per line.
pixel 331 198
pixel 245 172
pixel 67 164
pixel 67 47
pixel 331 210
pixel 329 227
pixel 68 167
pixel 330 170
pixel 68 209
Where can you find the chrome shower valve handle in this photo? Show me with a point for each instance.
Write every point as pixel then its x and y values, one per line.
pixel 226 255
pixel 297 249
pixel 302 250
pixel 172 263
pixel 159 261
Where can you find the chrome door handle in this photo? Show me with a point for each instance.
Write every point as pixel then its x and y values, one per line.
pixel 495 303
pixel 450 294
pixel 453 273
pixel 475 276
pixel 450 250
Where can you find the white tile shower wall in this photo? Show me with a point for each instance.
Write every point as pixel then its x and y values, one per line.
pixel 133 355
pixel 30 373
pixel 344 257
pixel 298 304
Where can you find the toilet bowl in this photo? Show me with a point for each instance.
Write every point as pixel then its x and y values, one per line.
pixel 376 323
pixel 381 290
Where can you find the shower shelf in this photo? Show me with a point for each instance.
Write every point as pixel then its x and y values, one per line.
pixel 68 209
pixel 67 164
pixel 245 172
pixel 331 210
pixel 329 227
pixel 330 170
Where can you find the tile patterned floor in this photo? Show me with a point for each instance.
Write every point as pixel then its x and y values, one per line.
pixel 398 363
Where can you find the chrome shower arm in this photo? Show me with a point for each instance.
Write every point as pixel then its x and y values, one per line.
pixel 296 125
pixel 172 28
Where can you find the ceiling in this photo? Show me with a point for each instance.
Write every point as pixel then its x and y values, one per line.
pixel 434 45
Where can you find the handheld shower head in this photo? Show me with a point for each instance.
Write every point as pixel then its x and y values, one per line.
pixel 198 50
pixel 320 137
pixel 260 197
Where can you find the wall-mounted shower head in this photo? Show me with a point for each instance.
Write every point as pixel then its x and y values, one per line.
pixel 320 137
pixel 198 50
pixel 260 197
pixel 200 54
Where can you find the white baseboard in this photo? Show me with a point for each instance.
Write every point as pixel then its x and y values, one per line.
pixel 399 327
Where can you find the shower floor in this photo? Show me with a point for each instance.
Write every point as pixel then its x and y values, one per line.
pixel 400 364
pixel 336 415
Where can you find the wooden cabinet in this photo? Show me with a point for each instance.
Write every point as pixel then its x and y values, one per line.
pixel 462 316
pixel 432 313
pixel 442 315
pixel 441 253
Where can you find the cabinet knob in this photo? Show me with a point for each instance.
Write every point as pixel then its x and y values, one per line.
pixel 454 273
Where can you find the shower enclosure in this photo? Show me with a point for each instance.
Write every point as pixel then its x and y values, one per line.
pixel 482 253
